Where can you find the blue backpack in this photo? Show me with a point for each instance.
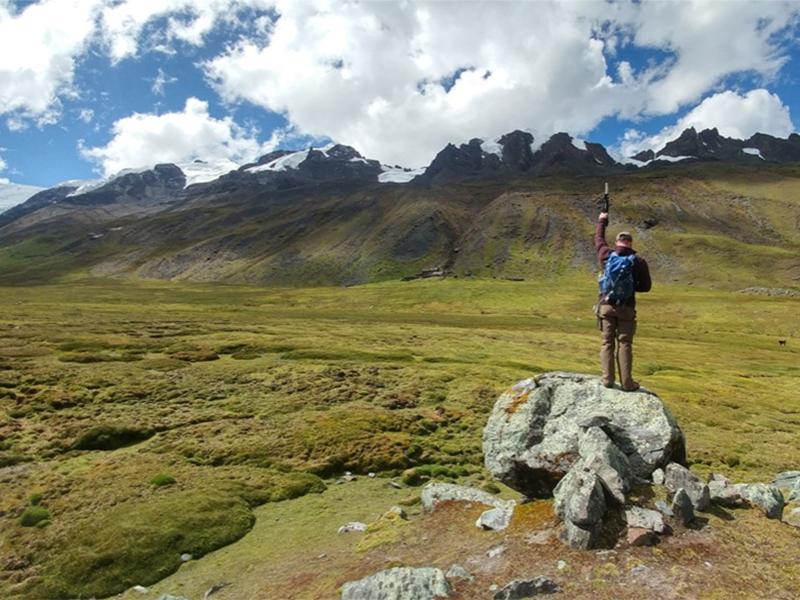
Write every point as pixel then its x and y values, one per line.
pixel 616 283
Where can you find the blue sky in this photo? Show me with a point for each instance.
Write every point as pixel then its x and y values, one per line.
pixel 397 81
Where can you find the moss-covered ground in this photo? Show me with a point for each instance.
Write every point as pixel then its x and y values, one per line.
pixel 241 398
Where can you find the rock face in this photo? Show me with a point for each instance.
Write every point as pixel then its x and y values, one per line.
pixel 399 583
pixel 682 506
pixel 538 428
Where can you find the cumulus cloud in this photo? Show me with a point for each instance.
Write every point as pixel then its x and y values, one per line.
pixel 734 115
pixel 142 140
pixel 38 51
pixel 398 81
pixel 188 21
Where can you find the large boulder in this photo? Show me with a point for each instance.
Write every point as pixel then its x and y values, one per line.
pixel 533 436
pixel 400 583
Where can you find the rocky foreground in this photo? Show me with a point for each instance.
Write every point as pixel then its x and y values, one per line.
pixel 614 463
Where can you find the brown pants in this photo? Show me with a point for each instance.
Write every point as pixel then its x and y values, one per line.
pixel 617 323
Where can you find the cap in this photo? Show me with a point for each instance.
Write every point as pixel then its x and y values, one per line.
pixel 624 235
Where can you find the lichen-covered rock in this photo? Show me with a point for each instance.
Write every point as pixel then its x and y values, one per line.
pixel 579 498
pixel 456 571
pixel 602 456
pixel 400 583
pixel 496 519
pixel 767 497
pixel 644 518
pixel 679 477
pixel 434 493
pixel 722 492
pixel 533 435
pixel 658 477
pixel 527 588
pixel 790 481
pixel 682 507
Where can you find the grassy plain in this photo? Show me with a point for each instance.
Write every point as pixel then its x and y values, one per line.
pixel 247 397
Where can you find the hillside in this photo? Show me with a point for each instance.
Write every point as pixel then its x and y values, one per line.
pixel 705 222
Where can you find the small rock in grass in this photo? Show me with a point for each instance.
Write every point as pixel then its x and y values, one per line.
pixel 677 477
pixel 640 570
pixel 171 597
pixel 527 588
pixel 395 485
pixel 561 565
pixel 400 583
pixel 682 506
pixel 397 510
pixel 456 571
pixel 352 526
pixel 496 551
pixel 496 519
pixel 639 536
pixel 371 475
pixel 139 588
pixel 767 497
pixel 186 557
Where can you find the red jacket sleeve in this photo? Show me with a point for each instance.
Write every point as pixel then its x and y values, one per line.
pixel 600 245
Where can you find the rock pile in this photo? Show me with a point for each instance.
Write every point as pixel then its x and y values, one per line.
pixel 567 435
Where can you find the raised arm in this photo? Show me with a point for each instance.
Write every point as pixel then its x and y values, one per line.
pixel 600 245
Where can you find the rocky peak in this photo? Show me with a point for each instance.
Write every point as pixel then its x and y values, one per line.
pixel 517 153
pixel 564 154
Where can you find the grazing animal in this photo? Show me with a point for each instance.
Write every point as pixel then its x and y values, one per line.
pixel 781 342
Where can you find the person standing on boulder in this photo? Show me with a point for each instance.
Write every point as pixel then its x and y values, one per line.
pixel 624 274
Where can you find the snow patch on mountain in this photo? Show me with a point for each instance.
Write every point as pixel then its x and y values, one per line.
pixel 674 158
pixel 12 194
pixel 753 152
pixel 289 161
pixel 200 171
pixel 579 144
pixel 493 147
pixel 398 174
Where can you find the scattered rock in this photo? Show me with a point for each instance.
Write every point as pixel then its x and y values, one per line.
pixel 579 498
pixel 214 589
pixel 658 477
pixel 561 565
pixel 496 551
pixel 639 570
pixel 767 497
pixel 400 583
pixel 526 588
pixel 664 508
pixel 639 536
pixel 399 511
pixel 532 437
pixel 140 588
pixel 395 485
pixel 171 597
pixel 186 557
pixel 643 518
pixel 539 538
pixel 352 526
pixel 790 480
pixel 792 517
pixel 679 477
pixel 682 507
pixel 371 475
pixel 496 519
pixel 723 493
pixel 434 493
pixel 456 571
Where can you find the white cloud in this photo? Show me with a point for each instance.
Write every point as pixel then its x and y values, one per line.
pixel 369 74
pixel 160 81
pixel 734 115
pixel 38 51
pixel 86 115
pixel 142 140
pixel 188 21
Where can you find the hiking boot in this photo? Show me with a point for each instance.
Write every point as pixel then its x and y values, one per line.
pixel 631 388
pixel 608 385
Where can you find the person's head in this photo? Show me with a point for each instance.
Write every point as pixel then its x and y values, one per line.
pixel 624 240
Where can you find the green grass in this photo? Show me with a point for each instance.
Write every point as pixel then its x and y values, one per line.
pixel 378 378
